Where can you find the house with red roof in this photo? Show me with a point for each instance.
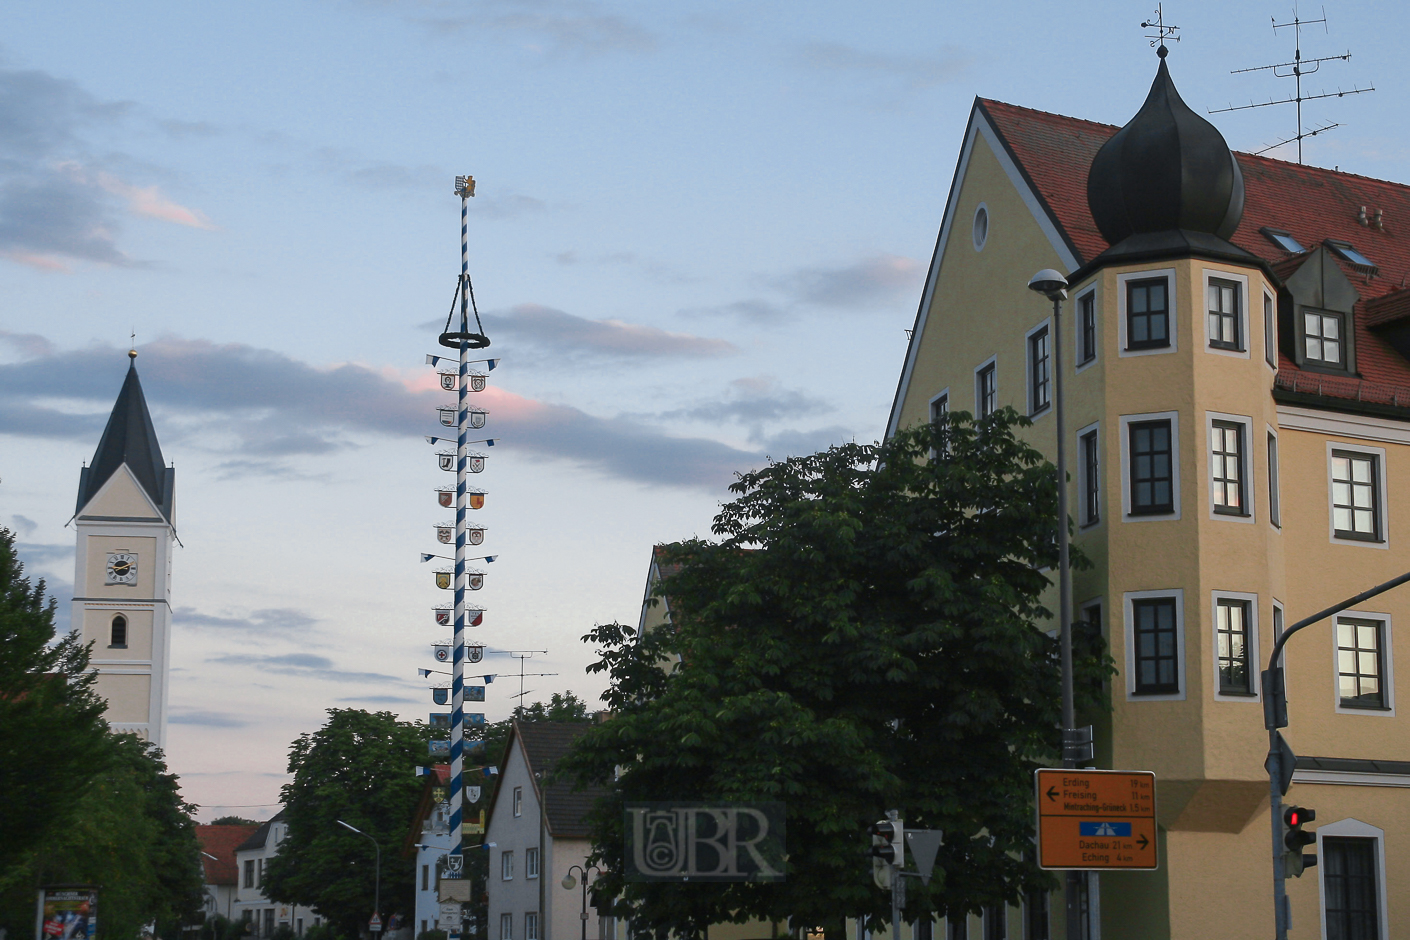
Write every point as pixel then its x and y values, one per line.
pixel 1233 351
pixel 222 874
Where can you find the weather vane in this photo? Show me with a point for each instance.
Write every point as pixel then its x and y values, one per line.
pixel 1162 32
pixel 1296 69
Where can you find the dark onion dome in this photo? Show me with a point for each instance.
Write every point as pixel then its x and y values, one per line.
pixel 1168 168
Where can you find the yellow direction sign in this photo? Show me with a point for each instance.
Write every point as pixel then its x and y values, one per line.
pixel 1096 819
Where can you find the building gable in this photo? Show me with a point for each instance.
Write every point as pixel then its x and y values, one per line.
pixel 121 497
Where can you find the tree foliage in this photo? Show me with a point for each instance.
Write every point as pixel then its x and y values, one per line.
pixel 867 634
pixel 81 804
pixel 359 768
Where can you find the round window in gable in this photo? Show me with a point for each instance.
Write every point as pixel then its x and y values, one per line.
pixel 981 226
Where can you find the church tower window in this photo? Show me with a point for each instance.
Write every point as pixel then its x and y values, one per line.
pixel 119 633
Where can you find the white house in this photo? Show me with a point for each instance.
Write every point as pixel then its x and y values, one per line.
pixel 537 831
pixel 250 904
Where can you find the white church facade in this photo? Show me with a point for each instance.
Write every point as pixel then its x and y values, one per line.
pixel 125 520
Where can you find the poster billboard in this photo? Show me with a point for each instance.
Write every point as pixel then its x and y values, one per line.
pixel 68 912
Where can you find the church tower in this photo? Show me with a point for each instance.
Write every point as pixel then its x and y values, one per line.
pixel 122 579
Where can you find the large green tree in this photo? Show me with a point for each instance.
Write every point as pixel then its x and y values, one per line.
pixel 359 768
pixel 867 633
pixel 81 804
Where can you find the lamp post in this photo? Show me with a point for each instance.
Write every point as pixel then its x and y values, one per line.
pixel 1053 285
pixel 569 882
pixel 377 876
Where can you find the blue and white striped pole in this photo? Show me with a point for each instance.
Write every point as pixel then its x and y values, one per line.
pixel 464 188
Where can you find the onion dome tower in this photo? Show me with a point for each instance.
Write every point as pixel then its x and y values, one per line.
pixel 1166 182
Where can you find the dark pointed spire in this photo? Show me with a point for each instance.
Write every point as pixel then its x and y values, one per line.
pixel 130 439
pixel 1168 169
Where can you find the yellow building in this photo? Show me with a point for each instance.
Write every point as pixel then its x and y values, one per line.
pixel 1235 353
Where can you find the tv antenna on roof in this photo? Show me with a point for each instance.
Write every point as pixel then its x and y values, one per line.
pixel 1295 70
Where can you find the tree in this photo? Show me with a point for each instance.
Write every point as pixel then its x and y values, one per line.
pixel 233 821
pixel 867 634
pixel 359 768
pixel 51 720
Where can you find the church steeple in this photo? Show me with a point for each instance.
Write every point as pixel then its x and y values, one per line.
pixel 130 438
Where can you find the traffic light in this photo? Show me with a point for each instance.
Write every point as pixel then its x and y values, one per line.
pixel 888 852
pixel 1294 859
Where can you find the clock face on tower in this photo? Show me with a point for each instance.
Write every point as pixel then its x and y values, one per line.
pixel 122 568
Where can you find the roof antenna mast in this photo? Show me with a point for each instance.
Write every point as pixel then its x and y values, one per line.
pixel 1295 70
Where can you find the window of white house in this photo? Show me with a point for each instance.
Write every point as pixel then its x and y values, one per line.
pixel 531 863
pixel 1086 327
pixel 986 390
pixel 996 922
pixel 1270 331
pixel 506 927
pixel 1089 509
pixel 1224 315
pixel 425 877
pixel 1234 645
pixel 1039 371
pixel 518 801
pixel 1275 508
pixel 531 926
pixel 1357 495
pixel 1155 645
pixel 1323 338
pixel 506 866
pixel 1362 664
pixel 1226 476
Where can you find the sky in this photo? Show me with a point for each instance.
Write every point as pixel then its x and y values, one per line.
pixel 700 234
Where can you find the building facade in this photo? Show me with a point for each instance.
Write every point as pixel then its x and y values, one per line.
pixel 1236 342
pixel 125 521
pixel 263 916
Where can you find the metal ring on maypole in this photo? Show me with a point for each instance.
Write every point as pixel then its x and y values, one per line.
pixel 472 340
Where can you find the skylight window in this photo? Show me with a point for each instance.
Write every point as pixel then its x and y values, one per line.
pixel 1350 254
pixel 1283 240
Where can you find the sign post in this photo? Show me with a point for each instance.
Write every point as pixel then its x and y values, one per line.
pixel 1096 819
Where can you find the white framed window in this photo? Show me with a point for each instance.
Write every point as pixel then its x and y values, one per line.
pixel 1089 475
pixel 986 388
pixel 1150 474
pixel 1270 330
pixel 1146 305
pixel 979 231
pixel 1088 340
pixel 506 927
pixel 1356 494
pixel 1351 878
pixel 531 925
pixel 506 865
pixel 1155 645
pixel 1324 338
pixel 531 862
pixel 1230 466
pixel 1365 667
pixel 1226 313
pixel 1234 616
pixel 1278 627
pixel 518 801
pixel 940 414
pixel 996 922
pixel 1040 369
pixel 1275 499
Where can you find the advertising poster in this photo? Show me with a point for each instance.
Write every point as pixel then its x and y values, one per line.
pixel 69 914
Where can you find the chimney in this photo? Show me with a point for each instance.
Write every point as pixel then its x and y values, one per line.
pixel 1361 216
pixel 1380 221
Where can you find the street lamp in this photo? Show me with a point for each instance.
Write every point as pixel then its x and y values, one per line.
pixel 570 883
pixel 1053 285
pixel 377 876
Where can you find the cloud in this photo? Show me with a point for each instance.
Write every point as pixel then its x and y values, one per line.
pixel 860 284
pixel 37 553
pixel 799 443
pixel 759 312
pixel 28 344
pixel 181 130
pixel 266 620
pixel 208 719
pixel 912 73
pixel 58 204
pixel 381 699
pixel 23 525
pixel 753 400
pixel 252 404
pixel 304 665
pixel 568 335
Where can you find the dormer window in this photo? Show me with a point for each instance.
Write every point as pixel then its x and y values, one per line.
pixel 1349 254
pixel 1323 336
pixel 1283 240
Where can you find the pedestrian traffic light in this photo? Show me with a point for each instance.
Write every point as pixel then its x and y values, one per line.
pixel 888 853
pixel 1294 859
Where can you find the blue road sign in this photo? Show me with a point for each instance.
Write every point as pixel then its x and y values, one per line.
pixel 1122 829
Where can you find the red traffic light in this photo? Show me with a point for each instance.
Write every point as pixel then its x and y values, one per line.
pixel 1297 815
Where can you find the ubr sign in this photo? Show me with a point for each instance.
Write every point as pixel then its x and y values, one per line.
pixel 1096 819
pixel 690 841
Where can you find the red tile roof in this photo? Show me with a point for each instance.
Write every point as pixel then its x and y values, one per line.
pixel 1310 203
pixel 221 842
